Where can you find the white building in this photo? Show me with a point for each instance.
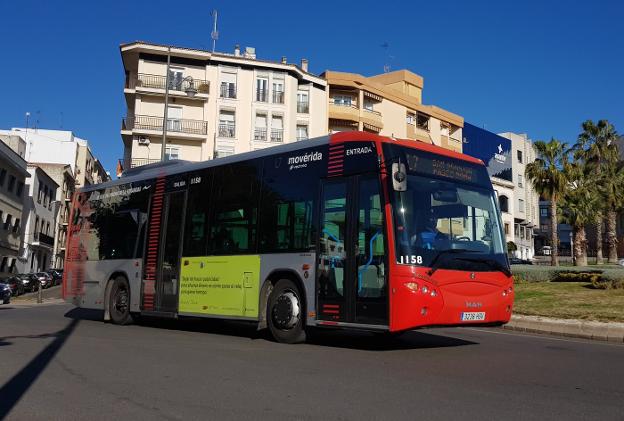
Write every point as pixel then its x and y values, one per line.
pixel 40 214
pixel 525 199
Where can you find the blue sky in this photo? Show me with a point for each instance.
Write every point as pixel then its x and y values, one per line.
pixel 540 67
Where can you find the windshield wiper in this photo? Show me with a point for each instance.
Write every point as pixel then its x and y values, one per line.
pixel 490 262
pixel 434 267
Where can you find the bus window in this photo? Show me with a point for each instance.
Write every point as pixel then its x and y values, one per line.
pixel 197 214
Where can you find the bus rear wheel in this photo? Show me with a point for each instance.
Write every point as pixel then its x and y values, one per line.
pixel 285 313
pixel 119 301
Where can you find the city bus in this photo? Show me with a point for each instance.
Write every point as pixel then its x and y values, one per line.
pixel 350 231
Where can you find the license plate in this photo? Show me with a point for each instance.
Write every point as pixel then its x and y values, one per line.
pixel 473 316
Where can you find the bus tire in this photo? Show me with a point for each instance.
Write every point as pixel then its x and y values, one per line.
pixel 119 301
pixel 285 313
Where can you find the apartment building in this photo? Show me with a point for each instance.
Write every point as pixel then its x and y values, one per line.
pixel 526 199
pixel 62 175
pixel 390 104
pixel 13 175
pixel 40 209
pixel 218 104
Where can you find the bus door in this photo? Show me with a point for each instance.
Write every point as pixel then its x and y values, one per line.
pixel 163 247
pixel 352 284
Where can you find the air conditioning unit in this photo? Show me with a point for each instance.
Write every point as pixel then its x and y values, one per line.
pixel 144 141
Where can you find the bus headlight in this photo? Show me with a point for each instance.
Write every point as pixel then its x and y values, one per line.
pixel 412 286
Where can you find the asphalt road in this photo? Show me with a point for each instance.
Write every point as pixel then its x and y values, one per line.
pixel 60 363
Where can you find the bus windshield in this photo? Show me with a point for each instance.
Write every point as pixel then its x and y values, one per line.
pixel 434 216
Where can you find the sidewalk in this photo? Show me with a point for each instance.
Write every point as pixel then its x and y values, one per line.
pixel 612 332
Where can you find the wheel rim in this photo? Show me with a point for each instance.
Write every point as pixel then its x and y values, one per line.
pixel 120 300
pixel 286 311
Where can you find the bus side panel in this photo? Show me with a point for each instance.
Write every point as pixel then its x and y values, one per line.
pixel 303 265
pixel 96 277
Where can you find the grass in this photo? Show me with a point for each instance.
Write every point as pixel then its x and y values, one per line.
pixel 569 300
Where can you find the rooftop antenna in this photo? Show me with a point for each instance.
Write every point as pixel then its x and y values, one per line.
pixel 386 67
pixel 214 34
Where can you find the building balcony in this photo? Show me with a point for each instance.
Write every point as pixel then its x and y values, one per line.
pixel 303 107
pixel 227 130
pixel 260 134
pixel 41 239
pixel 277 135
pixel 278 97
pixel 348 112
pixel 155 84
pixel 417 133
pixel 228 91
pixel 126 164
pixel 150 124
pixel 372 118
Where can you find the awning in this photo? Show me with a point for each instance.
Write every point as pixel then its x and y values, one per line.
pixel 372 96
pixel 371 127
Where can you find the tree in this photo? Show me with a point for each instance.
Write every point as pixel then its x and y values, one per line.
pixel 597 146
pixel 546 174
pixel 578 205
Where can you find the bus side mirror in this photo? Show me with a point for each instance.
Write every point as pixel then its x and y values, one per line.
pixel 399 177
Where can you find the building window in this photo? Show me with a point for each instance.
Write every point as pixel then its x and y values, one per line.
pixel 302 132
pixel 20 189
pixel 506 228
pixel 228 85
pixel 260 132
pixel 11 183
pixel 344 100
pixel 521 205
pixel 277 129
pixel 519 180
pixel 40 194
pixel 8 221
pixel 3 173
pixel 262 88
pixel 278 92
pixel 503 203
pixel 368 104
pixel 176 75
pixel 303 103
pixel 422 121
pixel 227 124
pixel 544 212
pixel 519 156
pixel 172 152
pixel 516 230
pixel 410 118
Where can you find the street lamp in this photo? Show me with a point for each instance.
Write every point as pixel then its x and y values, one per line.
pixel 190 91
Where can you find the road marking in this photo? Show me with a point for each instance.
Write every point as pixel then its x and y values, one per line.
pixel 550 338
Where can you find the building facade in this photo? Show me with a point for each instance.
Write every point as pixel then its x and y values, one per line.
pixel 40 209
pixel 390 104
pixel 13 176
pixel 217 104
pixel 526 199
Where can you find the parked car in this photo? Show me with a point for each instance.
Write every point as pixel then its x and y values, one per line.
pixel 16 285
pixel 57 276
pixel 45 279
pixel 518 261
pixel 29 281
pixel 5 293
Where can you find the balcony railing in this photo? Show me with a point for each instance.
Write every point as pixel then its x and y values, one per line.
pixel 303 107
pixel 372 112
pixel 300 138
pixel 228 91
pixel 179 125
pixel 44 239
pixel 345 104
pixel 261 95
pixel 277 135
pixel 227 130
pixel 145 80
pixel 260 134
pixel 128 163
pixel 278 97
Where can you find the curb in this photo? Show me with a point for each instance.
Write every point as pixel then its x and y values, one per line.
pixel 599 331
pixel 33 302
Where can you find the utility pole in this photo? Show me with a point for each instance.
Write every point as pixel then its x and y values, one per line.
pixel 164 138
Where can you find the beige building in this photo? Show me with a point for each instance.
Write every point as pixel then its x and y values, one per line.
pixel 390 104
pixel 218 104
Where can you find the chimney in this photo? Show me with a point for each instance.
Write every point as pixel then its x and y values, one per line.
pixel 250 52
pixel 237 50
pixel 304 64
pixel 284 61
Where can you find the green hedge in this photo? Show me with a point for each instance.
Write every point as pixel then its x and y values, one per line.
pixel 605 278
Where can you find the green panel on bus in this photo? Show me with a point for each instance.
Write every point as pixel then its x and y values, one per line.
pixel 220 285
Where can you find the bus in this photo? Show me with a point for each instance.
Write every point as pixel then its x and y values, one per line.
pixel 351 230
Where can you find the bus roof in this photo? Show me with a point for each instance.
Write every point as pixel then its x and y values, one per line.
pixel 179 166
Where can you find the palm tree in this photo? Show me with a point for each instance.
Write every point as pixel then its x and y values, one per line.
pixel 578 205
pixel 597 146
pixel 546 174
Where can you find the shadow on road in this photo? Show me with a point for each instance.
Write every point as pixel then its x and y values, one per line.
pixel 317 336
pixel 13 390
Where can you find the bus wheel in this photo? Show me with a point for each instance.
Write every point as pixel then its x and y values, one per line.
pixel 285 313
pixel 119 301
